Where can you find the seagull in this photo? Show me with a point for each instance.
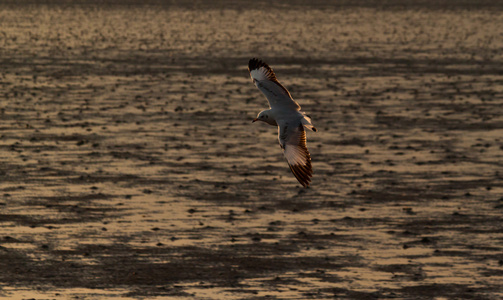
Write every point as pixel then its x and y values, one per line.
pixel 285 113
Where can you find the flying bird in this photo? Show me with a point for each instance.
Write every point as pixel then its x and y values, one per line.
pixel 285 113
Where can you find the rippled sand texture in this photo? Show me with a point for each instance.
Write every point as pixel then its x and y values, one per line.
pixel 130 167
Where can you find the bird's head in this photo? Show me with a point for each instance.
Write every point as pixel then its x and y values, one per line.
pixel 265 116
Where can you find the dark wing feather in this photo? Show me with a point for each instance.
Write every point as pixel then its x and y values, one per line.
pixel 264 78
pixel 293 142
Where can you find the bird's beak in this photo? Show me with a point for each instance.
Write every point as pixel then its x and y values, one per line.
pixel 254 120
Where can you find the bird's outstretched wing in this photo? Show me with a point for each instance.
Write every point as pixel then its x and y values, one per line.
pixel 264 78
pixel 292 140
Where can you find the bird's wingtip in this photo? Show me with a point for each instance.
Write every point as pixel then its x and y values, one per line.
pixel 302 173
pixel 255 63
pixel 265 71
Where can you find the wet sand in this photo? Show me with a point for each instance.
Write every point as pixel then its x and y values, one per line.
pixel 130 167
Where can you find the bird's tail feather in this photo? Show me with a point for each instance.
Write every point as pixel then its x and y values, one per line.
pixel 306 121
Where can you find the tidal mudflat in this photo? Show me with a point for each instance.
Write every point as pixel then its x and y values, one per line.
pixel 130 167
